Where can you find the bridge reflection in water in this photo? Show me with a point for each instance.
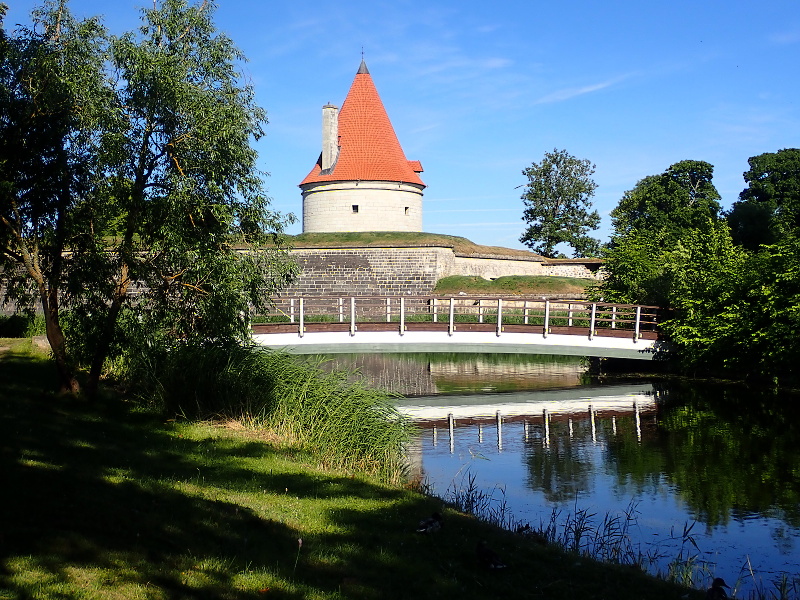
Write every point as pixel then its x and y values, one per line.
pixel 329 325
pixel 441 417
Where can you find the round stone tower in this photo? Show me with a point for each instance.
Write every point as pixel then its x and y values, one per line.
pixel 362 180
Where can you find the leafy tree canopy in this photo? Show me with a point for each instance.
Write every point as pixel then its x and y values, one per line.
pixel 635 270
pixel 557 203
pixel 682 197
pixel 736 312
pixel 53 97
pixel 733 312
pixel 769 207
pixel 650 222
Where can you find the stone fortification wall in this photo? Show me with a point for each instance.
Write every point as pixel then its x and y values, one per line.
pixel 591 268
pixel 492 266
pixel 410 271
pixel 366 271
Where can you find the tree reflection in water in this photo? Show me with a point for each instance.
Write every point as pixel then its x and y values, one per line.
pixel 731 453
pixel 726 457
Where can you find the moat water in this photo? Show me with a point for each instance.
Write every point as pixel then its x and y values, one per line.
pixel 703 479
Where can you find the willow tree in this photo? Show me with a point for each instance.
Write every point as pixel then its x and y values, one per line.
pixel 53 98
pixel 162 235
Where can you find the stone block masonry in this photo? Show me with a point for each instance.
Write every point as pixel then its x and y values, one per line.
pixel 400 271
pixel 366 271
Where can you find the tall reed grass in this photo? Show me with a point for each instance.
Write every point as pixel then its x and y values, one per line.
pixel 581 532
pixel 332 414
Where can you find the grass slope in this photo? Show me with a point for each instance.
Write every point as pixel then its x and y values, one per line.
pixel 459 244
pixel 111 501
pixel 517 285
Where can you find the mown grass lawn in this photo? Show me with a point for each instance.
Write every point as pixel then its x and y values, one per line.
pixel 114 501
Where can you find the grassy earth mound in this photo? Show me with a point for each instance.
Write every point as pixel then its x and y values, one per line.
pixel 379 239
pixel 515 285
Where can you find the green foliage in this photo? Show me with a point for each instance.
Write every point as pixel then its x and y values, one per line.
pixel 21 325
pixel 635 269
pixel 338 418
pixel 751 224
pixel 54 98
pixel 557 203
pixel 650 222
pixel 680 198
pixel 132 197
pixel 734 312
pixel 770 313
pixel 705 275
pixel 769 207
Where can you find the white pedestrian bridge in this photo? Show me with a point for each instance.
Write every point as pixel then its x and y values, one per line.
pixel 335 325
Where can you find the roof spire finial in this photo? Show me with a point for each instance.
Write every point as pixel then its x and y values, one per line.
pixel 362 68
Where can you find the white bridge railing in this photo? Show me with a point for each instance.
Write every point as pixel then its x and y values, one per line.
pixel 301 315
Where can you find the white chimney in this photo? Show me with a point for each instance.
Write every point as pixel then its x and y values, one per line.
pixel 330 136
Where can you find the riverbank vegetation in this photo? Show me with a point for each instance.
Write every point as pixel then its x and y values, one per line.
pixel 332 414
pixel 116 499
pixel 731 280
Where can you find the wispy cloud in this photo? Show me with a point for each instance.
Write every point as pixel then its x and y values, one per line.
pixel 573 92
pixel 424 128
pixel 784 38
pixel 464 66
pixel 753 124
pixel 488 28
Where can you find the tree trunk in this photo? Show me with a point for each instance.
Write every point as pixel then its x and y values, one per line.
pixel 107 335
pixel 67 382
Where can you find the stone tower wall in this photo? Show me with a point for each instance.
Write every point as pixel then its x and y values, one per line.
pixel 381 206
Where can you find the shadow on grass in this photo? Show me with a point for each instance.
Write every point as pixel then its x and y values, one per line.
pixel 85 490
pixel 111 502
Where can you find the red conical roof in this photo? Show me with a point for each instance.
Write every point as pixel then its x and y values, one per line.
pixel 369 149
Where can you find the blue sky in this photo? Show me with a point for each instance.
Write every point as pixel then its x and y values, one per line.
pixel 477 91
